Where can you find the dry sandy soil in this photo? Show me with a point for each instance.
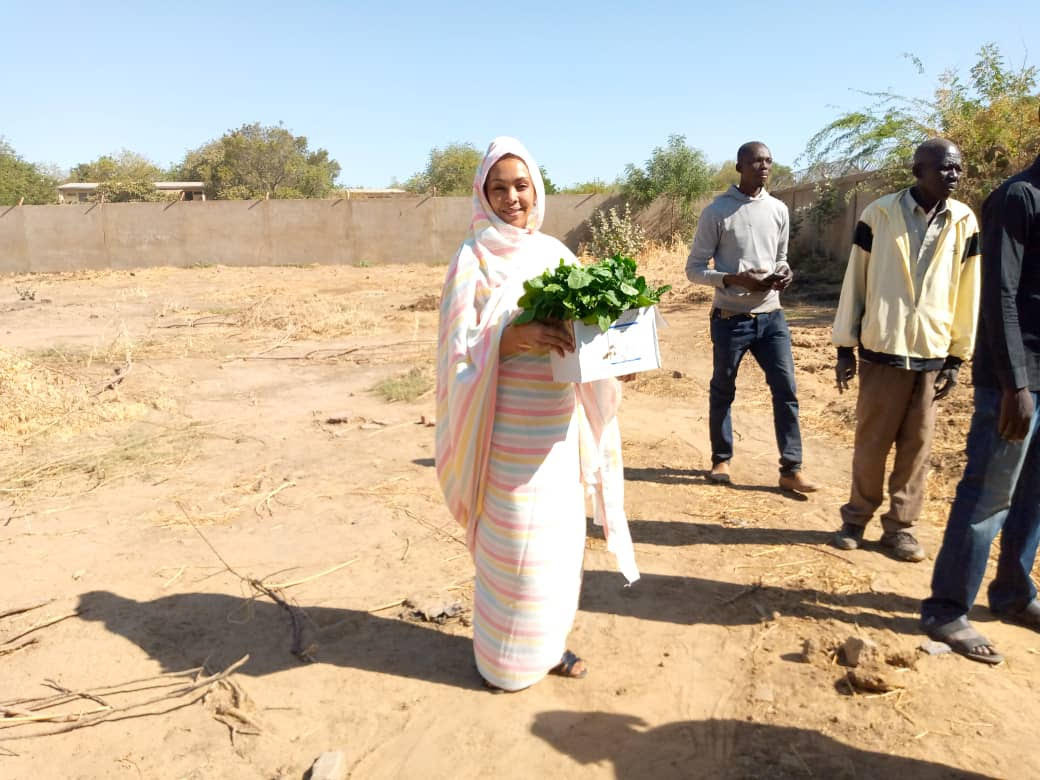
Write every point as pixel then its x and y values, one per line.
pixel 243 445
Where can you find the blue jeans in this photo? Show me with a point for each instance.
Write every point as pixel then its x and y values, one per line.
pixel 1000 489
pixel 769 340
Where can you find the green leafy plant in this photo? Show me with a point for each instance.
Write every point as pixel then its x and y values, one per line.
pixel 596 294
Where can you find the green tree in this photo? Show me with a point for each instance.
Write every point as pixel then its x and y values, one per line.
pixel 991 116
pixel 726 174
pixel 21 179
pixel 123 176
pixel 676 171
pixel 550 188
pixel 448 171
pixel 255 161
pixel 590 187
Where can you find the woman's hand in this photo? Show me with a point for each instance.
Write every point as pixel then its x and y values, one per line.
pixel 537 336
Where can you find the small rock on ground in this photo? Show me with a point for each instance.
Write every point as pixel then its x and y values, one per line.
pixel 935 648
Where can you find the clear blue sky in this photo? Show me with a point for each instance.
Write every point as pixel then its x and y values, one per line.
pixel 587 86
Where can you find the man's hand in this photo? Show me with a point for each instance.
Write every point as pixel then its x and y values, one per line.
pixel 782 280
pixel 754 281
pixel 557 336
pixel 945 381
pixel 845 371
pixel 1016 414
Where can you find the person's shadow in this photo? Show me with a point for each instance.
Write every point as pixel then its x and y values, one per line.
pixel 667 533
pixel 693 600
pixel 671 476
pixel 725 749
pixel 191 629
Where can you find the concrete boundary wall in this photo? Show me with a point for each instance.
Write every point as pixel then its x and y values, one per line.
pixel 268 232
pixel 834 239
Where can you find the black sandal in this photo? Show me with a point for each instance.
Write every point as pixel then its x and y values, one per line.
pixel 566 666
pixel 492 688
pixel 963 639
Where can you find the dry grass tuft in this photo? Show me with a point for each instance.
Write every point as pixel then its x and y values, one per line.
pixel 91 461
pixel 306 316
pixel 407 387
pixel 36 397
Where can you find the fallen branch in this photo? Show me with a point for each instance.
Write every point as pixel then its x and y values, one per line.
pixel 121 373
pixel 284 585
pixel 96 715
pixel 20 610
pixel 294 612
pixel 17 648
pixel 825 552
pixel 37 627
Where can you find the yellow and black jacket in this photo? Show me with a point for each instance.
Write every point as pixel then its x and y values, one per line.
pixel 882 313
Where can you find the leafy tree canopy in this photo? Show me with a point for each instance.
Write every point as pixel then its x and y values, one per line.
pixel 20 180
pixel 255 161
pixel 450 170
pixel 123 176
pixel 991 115
pixel 590 187
pixel 677 171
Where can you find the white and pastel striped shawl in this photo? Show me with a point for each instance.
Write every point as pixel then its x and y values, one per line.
pixel 478 301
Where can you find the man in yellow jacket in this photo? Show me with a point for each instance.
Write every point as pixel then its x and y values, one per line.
pixel 910 303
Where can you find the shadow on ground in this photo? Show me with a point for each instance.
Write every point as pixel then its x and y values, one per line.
pixel 720 749
pixel 187 630
pixel 668 533
pixel 696 601
pixel 670 476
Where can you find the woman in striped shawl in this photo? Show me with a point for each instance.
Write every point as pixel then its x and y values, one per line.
pixel 518 453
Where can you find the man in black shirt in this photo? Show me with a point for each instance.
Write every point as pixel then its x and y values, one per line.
pixel 1000 489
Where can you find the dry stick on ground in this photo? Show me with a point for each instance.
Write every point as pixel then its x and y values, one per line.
pixel 119 689
pixel 295 613
pixel 37 627
pixel 265 502
pixel 825 552
pixel 20 610
pixel 16 648
pixel 121 374
pixel 91 717
pixel 294 583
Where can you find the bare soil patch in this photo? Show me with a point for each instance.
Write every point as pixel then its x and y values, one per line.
pixel 248 423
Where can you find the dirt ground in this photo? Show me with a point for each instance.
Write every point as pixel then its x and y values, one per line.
pixel 175 441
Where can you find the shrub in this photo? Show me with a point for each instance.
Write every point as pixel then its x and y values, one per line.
pixel 614 233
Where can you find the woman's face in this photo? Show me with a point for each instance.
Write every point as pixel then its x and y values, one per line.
pixel 510 191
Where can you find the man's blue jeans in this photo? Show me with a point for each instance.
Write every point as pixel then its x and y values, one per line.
pixel 1000 489
pixel 768 339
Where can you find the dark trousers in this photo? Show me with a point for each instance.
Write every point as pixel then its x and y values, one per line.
pixel 1000 491
pixel 895 406
pixel 767 338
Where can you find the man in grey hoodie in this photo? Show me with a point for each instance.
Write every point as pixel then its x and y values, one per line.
pixel 745 231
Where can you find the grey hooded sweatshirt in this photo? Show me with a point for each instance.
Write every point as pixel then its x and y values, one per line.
pixel 742 234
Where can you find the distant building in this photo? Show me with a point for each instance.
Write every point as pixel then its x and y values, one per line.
pixel 84 191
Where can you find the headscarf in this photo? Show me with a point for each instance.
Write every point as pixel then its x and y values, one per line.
pixel 479 299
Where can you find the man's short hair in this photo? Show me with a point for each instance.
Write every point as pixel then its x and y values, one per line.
pixel 931 150
pixel 745 150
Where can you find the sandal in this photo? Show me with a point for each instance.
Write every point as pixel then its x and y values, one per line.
pixel 964 640
pixel 566 666
pixel 492 688
pixel 1028 617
